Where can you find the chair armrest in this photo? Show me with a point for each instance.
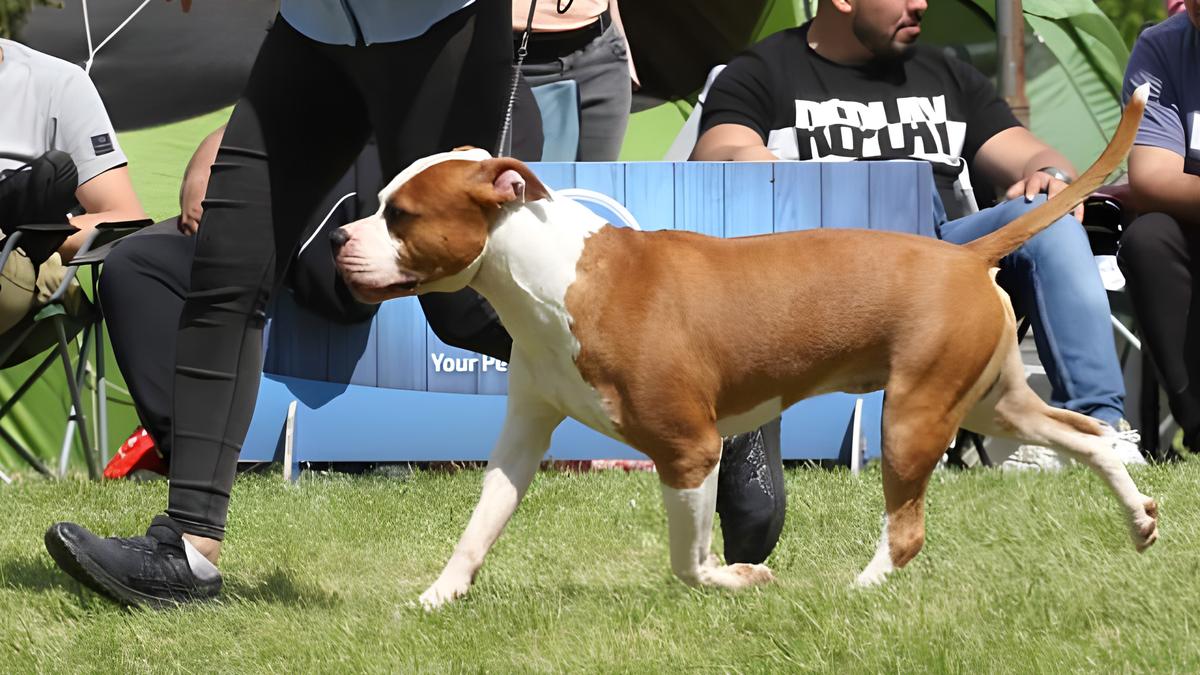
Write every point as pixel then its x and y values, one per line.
pixel 48 228
pixel 104 234
pixel 39 241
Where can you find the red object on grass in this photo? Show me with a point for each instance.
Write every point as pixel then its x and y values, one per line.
pixel 136 453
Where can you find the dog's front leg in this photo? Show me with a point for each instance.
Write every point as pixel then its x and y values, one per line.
pixel 689 522
pixel 523 442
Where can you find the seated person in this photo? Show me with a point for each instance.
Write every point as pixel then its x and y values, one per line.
pixel 1160 250
pixel 852 84
pixel 51 105
pixel 145 280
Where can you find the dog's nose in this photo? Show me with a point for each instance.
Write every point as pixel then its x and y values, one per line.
pixel 339 237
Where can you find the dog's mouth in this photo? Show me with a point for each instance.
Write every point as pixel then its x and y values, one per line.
pixel 407 286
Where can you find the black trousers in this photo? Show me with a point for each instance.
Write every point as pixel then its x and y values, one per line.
pixel 1161 262
pixel 306 112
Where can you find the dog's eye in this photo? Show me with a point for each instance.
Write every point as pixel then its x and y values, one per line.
pixel 393 213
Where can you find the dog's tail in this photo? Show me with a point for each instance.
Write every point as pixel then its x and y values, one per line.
pixel 1007 239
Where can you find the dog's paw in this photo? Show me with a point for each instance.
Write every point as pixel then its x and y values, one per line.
pixel 753 575
pixel 1144 527
pixel 870 577
pixel 441 592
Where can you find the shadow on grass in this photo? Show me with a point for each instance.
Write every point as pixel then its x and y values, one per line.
pixel 278 587
pixel 35 574
pixel 42 575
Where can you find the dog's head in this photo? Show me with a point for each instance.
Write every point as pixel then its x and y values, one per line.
pixel 432 225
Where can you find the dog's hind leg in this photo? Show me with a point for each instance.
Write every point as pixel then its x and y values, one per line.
pixel 917 428
pixel 523 441
pixel 689 489
pixel 1011 409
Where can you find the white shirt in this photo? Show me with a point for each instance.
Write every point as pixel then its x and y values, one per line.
pixel 50 104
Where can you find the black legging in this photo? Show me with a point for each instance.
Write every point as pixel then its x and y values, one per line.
pixel 306 111
pixel 1159 258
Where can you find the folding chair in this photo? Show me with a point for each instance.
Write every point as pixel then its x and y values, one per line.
pixel 29 338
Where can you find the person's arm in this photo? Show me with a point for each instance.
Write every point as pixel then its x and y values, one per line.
pixel 1158 183
pixel 616 16
pixel 195 181
pixel 736 112
pixel 1156 164
pixel 108 198
pixel 731 143
pixel 998 148
pixel 1014 156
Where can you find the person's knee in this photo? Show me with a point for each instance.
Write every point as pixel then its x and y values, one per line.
pixel 1146 243
pixel 490 339
pixel 118 275
pixel 17 290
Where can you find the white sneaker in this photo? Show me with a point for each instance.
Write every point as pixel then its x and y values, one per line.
pixel 1036 458
pixel 1040 458
pixel 1125 443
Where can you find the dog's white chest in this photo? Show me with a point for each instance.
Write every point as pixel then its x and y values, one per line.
pixel 529 266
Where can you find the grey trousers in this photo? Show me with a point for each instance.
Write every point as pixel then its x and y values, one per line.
pixel 601 71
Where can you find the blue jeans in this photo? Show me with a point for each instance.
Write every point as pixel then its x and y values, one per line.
pixel 1053 280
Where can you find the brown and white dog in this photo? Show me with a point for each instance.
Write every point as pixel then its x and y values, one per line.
pixel 663 341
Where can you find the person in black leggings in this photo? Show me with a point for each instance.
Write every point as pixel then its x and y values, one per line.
pixel 307 110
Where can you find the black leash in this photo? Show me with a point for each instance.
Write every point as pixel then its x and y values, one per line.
pixel 522 51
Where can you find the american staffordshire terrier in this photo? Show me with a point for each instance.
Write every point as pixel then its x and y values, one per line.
pixel 662 340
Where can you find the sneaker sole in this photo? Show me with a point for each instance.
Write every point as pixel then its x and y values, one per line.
pixel 85 570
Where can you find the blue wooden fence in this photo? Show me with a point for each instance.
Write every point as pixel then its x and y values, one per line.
pixel 389 390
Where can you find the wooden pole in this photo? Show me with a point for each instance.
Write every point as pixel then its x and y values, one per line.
pixel 1010 43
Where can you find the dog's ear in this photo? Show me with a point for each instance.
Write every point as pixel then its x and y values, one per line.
pixel 510 179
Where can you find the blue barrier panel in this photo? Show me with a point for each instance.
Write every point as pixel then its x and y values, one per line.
pixel 390 390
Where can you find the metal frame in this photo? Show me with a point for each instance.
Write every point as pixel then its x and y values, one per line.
pixel 92 333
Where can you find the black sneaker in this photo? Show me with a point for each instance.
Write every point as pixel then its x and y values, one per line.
pixel 138 571
pixel 750 494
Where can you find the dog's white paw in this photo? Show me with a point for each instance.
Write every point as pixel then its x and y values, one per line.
pixel 874 575
pixel 1144 527
pixel 733 577
pixel 751 575
pixel 443 591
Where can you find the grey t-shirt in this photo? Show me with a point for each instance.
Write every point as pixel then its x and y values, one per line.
pixel 49 104
pixel 1168 57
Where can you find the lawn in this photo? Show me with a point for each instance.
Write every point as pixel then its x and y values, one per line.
pixel 1021 573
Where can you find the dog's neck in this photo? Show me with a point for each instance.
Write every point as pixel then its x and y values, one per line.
pixel 530 262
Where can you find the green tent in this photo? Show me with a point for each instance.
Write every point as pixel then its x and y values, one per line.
pixel 1074 63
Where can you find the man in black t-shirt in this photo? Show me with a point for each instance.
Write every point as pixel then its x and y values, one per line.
pixel 853 84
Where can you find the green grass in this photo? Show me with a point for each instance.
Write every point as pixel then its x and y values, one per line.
pixel 158 156
pixel 1020 573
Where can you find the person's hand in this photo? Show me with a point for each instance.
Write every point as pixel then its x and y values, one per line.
pixel 191 196
pixel 1039 182
pixel 185 5
pixel 195 181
